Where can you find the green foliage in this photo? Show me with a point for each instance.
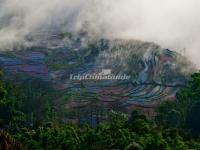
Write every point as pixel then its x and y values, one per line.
pixel 38 103
pixel 184 112
pixel 24 105
pixel 118 133
pixel 10 103
pixel 26 112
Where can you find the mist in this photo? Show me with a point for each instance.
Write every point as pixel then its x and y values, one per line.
pixel 173 24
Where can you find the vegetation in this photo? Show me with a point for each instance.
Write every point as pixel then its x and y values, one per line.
pixel 27 121
pixel 26 105
pixel 183 113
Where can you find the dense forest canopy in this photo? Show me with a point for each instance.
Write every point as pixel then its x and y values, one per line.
pixel 28 121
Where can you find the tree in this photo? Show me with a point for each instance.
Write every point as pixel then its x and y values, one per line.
pixel 11 117
pixel 8 143
pixel 185 110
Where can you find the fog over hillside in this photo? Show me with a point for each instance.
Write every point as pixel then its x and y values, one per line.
pixel 172 24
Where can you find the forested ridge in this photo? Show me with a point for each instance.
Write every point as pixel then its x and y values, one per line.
pixel 28 120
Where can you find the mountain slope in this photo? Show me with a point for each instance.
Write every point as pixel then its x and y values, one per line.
pixel 156 73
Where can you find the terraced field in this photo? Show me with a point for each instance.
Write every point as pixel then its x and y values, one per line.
pixel 156 73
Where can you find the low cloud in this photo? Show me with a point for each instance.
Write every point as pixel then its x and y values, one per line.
pixel 173 24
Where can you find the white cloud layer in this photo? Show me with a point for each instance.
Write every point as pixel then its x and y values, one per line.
pixel 173 24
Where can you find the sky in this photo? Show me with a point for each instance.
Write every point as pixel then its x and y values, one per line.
pixel 173 24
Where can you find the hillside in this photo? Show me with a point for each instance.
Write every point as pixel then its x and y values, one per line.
pixel 156 73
